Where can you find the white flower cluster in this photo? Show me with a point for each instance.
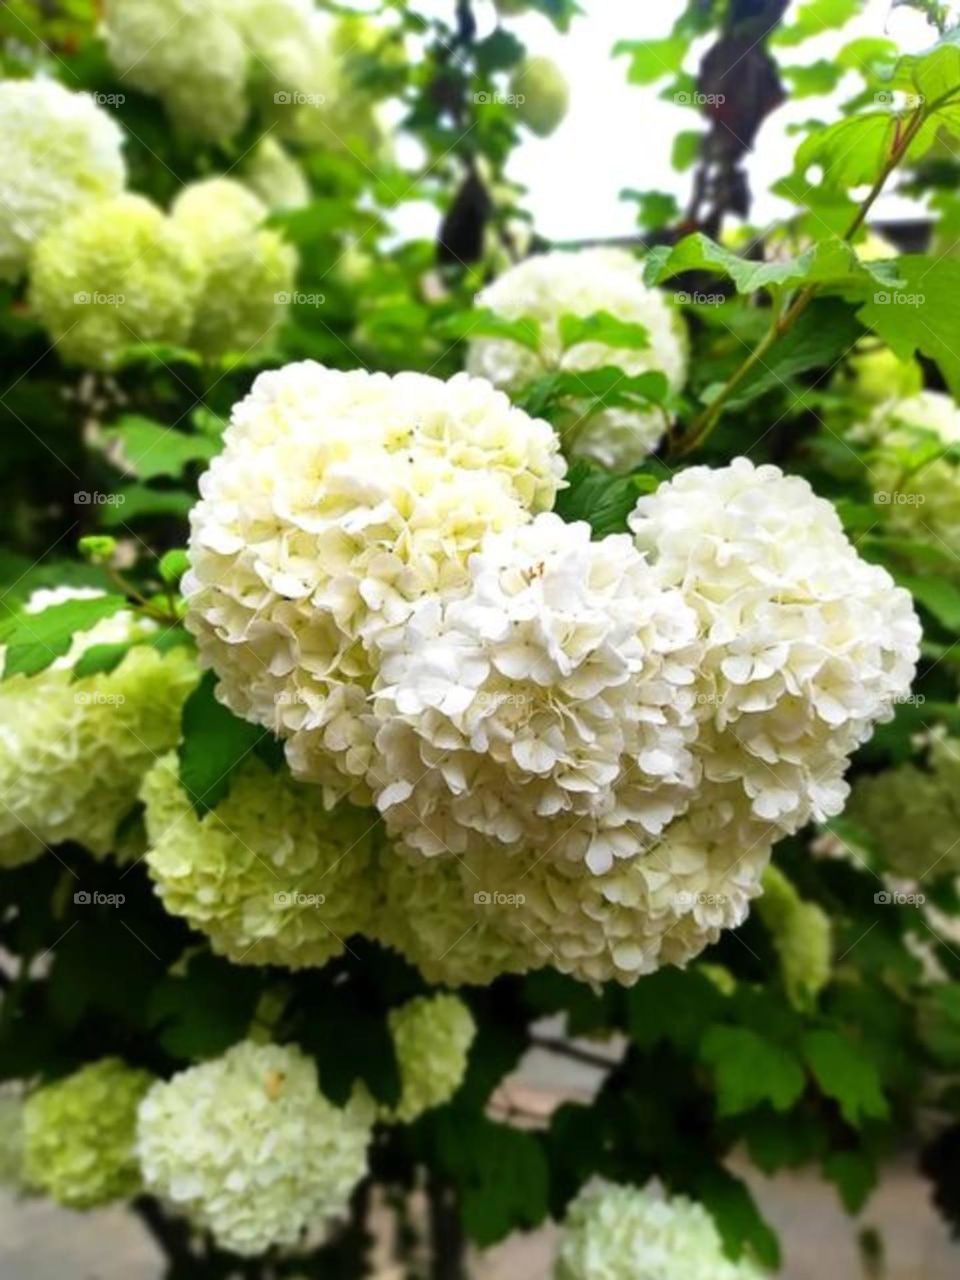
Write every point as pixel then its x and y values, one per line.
pixel 73 752
pixel 552 704
pixel 60 152
pixel 614 1232
pixel 553 285
pixel 807 645
pixel 583 751
pixel 247 1147
pixel 340 499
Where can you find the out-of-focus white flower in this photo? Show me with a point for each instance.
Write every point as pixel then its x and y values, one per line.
pixel 274 175
pixel 553 285
pixel 549 708
pixel 248 271
pixel 432 1036
pixel 248 1147
pixel 60 151
pixel 339 500
pixel 616 1232
pixel 807 645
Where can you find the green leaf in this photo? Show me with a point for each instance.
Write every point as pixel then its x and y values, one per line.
pixel 101 659
pixel 851 152
pixel 821 336
pixel 206 1010
pixel 749 1069
pixel 498 51
pixel 734 1210
pixel 846 1075
pixel 830 262
pixel 601 499
pixel 686 148
pixel 214 743
pixel 501 1173
pixel 603 327
pixel 34 640
pixel 173 565
pixel 854 1174
pixel 481 322
pixel 672 1005
pixel 815 78
pixel 139 500
pixel 655 209
pixel 921 313
pixel 150 449
pixel 937 595
pixel 814 17
pixel 651 60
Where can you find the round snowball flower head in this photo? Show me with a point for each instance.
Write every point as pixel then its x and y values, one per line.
pixel 115 274
pixel 192 56
pixel 550 707
pixel 78 1134
pixel 807 645
pixel 802 936
pixel 661 907
pixel 275 176
pixel 74 752
pixel 438 915
pixel 614 1232
pixel 61 151
pixel 338 501
pixel 248 273
pixel 432 1036
pixel 542 95
pixel 915 485
pixel 270 875
pixel 553 285
pixel 247 1147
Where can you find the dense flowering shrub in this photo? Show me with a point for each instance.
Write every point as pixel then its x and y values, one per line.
pixel 78 1134
pixel 624 1233
pixel 61 151
pixel 549 286
pixel 247 1146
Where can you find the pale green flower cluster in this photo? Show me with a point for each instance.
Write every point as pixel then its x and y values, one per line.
pixel 542 95
pixel 272 174
pixel 432 1036
pixel 114 274
pixel 616 1232
pixel 74 752
pixel 911 814
pixel 248 272
pixel 270 875
pixel 78 1134
pixel 247 1147
pixel 801 935
pixel 212 63
pixel 61 150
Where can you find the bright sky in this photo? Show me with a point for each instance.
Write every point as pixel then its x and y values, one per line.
pixel 618 135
